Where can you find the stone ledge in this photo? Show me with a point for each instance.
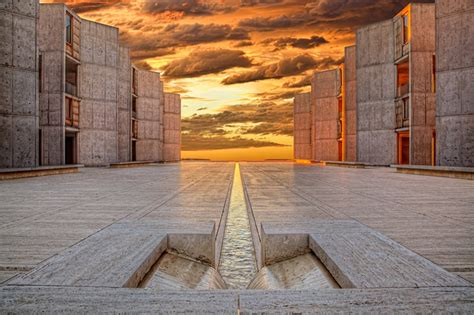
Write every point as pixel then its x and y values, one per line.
pixel 440 171
pixel 344 164
pixel 15 173
pixel 131 164
pixel 371 301
pixel 51 299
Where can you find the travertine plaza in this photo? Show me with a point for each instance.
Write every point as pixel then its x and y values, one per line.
pixel 339 233
pixel 323 239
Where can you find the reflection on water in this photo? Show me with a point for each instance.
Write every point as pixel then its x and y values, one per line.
pixel 237 264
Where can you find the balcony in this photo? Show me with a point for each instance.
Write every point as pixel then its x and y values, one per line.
pixel 403 90
pixel 71 112
pixel 71 89
pixel 402 113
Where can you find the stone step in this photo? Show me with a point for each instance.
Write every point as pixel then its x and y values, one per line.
pixel 357 256
pixel 44 299
pixel 373 301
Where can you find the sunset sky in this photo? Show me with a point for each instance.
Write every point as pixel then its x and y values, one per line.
pixel 237 63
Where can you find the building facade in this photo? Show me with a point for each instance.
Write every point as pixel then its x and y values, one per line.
pixel 19 114
pixel 96 108
pixel 455 83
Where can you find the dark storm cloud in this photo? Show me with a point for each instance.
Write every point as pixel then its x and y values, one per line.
pixel 192 142
pixel 285 67
pixel 303 82
pixel 157 42
pixel 87 5
pixel 302 43
pixel 188 7
pixel 244 43
pixel 341 13
pixel 202 62
pixel 272 23
pixel 143 65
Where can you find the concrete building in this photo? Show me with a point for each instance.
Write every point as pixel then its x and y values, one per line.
pixel 455 83
pixel 19 113
pixel 148 112
pixel 172 128
pixel 327 112
pixel 302 127
pixel 349 98
pixel 395 88
pixel 79 92
pixel 96 108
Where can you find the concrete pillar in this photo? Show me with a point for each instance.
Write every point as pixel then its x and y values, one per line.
pixel 350 103
pixel 455 82
pixel 302 127
pixel 172 128
pixel 124 105
pixel 376 137
pixel 325 92
pixel 99 92
pixel 19 114
pixel 149 111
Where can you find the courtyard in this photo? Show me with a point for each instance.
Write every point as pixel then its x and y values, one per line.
pixel 79 242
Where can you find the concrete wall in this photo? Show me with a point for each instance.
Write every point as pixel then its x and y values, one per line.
pixel 52 50
pixel 149 116
pixel 422 96
pixel 302 127
pixel 124 105
pixel 98 89
pixel 19 112
pixel 172 128
pixel 350 103
pixel 325 89
pixel 376 139
pixel 455 82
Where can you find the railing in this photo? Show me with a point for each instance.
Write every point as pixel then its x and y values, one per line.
pixel 72 112
pixel 403 90
pixel 71 89
pixel 402 113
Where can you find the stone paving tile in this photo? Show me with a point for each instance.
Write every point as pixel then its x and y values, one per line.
pixel 40 217
pixel 431 216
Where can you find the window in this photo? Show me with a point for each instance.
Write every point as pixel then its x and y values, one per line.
pixel 433 75
pixel 40 73
pixel 71 77
pixel 69 28
pixel 406 109
pixel 68 111
pixel 406 29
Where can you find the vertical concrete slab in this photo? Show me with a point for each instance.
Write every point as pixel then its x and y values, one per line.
pixel 376 138
pixel 302 126
pixel 350 103
pixel 455 83
pixel 51 45
pixel 172 128
pixel 325 89
pixel 19 113
pixel 149 112
pixel 124 100
pixel 422 94
pixel 99 77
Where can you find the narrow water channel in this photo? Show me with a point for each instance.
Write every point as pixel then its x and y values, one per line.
pixel 237 264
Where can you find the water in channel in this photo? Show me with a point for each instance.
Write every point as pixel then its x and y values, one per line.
pixel 237 264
